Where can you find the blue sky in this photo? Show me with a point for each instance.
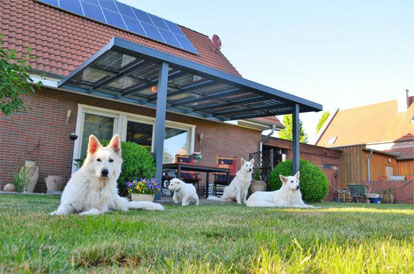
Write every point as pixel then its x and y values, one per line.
pixel 338 53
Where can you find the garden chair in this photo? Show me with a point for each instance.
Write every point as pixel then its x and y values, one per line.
pixel 189 177
pixel 220 179
pixel 358 191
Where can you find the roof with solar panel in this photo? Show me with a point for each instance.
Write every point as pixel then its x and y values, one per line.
pixel 127 18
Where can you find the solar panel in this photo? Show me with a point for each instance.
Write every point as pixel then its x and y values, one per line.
pixel 128 18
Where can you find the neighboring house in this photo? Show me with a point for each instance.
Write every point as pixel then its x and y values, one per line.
pixel 62 41
pixel 377 140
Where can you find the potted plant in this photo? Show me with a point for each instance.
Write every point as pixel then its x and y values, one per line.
pixel 257 184
pixel 143 189
pixel 388 197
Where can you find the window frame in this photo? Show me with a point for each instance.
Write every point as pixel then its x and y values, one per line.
pixel 121 119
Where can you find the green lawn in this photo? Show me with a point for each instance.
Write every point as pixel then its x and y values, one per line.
pixel 336 238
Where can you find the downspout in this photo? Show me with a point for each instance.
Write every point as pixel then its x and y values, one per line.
pixel 369 164
pixel 264 138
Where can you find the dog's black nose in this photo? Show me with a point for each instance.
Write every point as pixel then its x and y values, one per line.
pixel 104 173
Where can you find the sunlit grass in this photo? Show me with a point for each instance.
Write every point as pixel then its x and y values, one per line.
pixel 335 238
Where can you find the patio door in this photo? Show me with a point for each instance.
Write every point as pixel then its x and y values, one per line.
pixel 177 138
pixel 104 123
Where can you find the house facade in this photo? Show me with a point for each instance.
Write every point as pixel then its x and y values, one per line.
pixel 377 141
pixel 62 41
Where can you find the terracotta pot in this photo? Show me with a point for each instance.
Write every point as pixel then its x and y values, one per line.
pixel 409 178
pixel 258 186
pixel 54 183
pixel 32 175
pixel 142 197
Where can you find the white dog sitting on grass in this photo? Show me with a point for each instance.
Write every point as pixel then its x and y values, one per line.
pixel 183 192
pixel 239 186
pixel 288 195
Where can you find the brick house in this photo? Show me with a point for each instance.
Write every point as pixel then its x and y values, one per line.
pixel 377 142
pixel 64 38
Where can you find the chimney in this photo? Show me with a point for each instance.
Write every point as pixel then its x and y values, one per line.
pixel 403 102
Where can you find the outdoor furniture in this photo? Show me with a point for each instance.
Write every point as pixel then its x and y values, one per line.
pixel 180 167
pixel 220 179
pixel 189 177
pixel 358 191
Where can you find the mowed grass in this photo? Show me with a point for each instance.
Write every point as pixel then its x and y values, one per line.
pixel 336 238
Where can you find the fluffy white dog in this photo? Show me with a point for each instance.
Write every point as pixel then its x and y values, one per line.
pixel 183 192
pixel 239 186
pixel 288 195
pixel 92 190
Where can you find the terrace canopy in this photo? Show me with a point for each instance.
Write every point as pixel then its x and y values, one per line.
pixel 129 72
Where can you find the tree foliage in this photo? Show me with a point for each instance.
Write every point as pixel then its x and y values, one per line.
pixel 322 120
pixel 286 133
pixel 15 79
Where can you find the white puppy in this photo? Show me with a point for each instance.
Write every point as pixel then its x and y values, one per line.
pixel 239 186
pixel 183 191
pixel 93 190
pixel 288 195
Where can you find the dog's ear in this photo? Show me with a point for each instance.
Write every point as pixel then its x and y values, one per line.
pixel 297 175
pixel 115 144
pixel 283 178
pixel 93 145
pixel 242 160
pixel 252 161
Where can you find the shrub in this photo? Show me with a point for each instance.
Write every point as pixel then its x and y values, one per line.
pixel 138 163
pixel 313 182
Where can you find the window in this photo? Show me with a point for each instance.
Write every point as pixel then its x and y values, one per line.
pixel 175 142
pixel 104 123
pixel 331 140
pixel 100 126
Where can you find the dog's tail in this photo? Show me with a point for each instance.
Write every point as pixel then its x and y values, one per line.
pixel 260 204
pixel 214 198
pixel 145 205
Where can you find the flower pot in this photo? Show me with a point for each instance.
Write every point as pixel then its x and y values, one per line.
pixel 258 186
pixel 54 183
pixel 388 199
pixel 142 197
pixel 31 173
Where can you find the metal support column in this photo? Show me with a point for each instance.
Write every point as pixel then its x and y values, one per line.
pixel 160 121
pixel 295 139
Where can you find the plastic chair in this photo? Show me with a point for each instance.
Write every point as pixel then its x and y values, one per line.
pixel 358 191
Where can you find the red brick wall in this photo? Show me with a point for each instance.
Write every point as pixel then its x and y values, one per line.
pixel 319 156
pixel 43 135
pixel 403 191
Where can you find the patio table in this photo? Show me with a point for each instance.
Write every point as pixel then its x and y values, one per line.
pixel 199 168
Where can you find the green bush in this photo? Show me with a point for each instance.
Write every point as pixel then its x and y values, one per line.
pixel 313 182
pixel 138 163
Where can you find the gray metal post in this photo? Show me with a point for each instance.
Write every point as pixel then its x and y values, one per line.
pixel 295 139
pixel 160 121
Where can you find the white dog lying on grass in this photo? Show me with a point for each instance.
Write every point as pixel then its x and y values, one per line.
pixel 239 186
pixel 288 195
pixel 92 190
pixel 183 192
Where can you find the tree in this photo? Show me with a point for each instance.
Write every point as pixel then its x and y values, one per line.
pixel 286 133
pixel 15 79
pixel 322 120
